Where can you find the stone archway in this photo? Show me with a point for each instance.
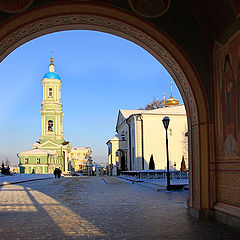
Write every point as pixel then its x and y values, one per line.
pixel 79 16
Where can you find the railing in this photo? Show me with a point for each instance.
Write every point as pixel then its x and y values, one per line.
pixel 155 174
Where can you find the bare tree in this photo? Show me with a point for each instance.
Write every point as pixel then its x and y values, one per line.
pixel 7 162
pixel 155 104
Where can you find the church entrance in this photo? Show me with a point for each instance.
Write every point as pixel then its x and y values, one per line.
pixel 81 16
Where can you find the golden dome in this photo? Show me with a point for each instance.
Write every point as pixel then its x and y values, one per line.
pixel 171 101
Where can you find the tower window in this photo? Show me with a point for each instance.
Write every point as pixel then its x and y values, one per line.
pixel 38 160
pixel 26 160
pixel 50 92
pixel 50 126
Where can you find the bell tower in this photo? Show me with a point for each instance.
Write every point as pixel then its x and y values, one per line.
pixel 51 113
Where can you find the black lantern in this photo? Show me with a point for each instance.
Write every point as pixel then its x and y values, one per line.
pixel 166 121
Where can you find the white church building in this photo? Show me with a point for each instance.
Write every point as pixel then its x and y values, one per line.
pixel 140 134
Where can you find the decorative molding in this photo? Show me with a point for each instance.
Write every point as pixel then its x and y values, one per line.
pixel 14 6
pixel 195 168
pixel 114 25
pixel 150 9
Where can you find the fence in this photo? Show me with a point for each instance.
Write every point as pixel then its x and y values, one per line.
pixel 155 174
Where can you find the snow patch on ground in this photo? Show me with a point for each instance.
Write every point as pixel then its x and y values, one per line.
pixel 23 177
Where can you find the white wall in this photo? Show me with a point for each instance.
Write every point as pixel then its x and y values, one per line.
pixel 155 140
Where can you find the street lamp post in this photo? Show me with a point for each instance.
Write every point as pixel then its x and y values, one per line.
pixel 166 121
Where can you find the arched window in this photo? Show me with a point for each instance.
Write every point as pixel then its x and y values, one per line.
pixel 50 92
pixel 50 126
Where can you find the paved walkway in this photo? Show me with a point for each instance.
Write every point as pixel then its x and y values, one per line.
pixel 100 208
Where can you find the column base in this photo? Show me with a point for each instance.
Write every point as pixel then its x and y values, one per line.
pixel 202 214
pixel 221 213
pixel 227 214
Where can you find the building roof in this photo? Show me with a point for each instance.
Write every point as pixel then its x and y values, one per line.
pixel 97 165
pixel 123 115
pixel 36 144
pixel 80 148
pixel 52 75
pixel 80 160
pixel 117 137
pixel 178 110
pixel 38 151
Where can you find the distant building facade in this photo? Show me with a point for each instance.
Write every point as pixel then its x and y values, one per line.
pixel 98 169
pixel 115 158
pixel 14 169
pixel 81 160
pixel 140 134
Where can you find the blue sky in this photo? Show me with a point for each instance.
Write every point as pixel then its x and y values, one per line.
pixel 101 73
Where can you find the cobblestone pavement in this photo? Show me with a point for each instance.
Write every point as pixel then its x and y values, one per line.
pixel 100 208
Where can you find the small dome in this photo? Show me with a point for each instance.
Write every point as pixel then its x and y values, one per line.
pixel 52 75
pixel 171 102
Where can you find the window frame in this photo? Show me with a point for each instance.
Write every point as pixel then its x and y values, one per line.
pixel 50 92
pixel 49 125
